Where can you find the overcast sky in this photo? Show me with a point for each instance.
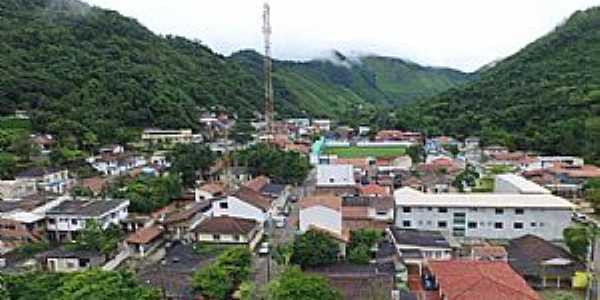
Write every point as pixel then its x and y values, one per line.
pixel 463 34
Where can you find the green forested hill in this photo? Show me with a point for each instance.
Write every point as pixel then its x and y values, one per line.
pixel 330 87
pixel 546 97
pixel 83 71
pixel 90 74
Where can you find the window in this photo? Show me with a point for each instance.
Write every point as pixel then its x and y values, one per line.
pixel 216 237
pixel 113 215
pixel 236 237
pixel 331 180
pixel 381 212
pixel 74 221
pixel 63 220
pixel 406 223
pixel 519 211
pixel 474 209
pixel 420 223
pixel 442 224
pixel 70 265
pixel 472 225
pixel 406 209
pixel 533 224
pixel 52 221
pixel 518 225
pixel 499 211
pixel 442 210
pixel 498 225
pixel 430 208
pixel 541 224
pixel 429 223
pixel 223 205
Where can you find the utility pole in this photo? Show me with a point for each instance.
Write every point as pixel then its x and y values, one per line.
pixel 268 68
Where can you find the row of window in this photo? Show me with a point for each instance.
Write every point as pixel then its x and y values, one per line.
pixel 475 225
pixel 498 211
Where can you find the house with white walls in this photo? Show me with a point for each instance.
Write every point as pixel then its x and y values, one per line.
pixel 245 203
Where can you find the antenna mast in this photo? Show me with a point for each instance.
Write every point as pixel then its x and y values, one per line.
pixel 269 106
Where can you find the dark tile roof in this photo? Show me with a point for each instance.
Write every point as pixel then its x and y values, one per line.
pixel 379 203
pixel 421 238
pixel 174 273
pixel 273 189
pixel 91 208
pixel 226 225
pixel 254 198
pixel 527 253
pixel 64 253
pixel 358 282
pixel 188 213
pixel 36 172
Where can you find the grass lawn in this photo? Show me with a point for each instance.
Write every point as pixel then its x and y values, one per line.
pixel 484 185
pixel 562 295
pixel 357 152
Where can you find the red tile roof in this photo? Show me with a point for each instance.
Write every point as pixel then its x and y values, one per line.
pixel 213 188
pixel 145 235
pixel 355 212
pixel 95 184
pixel 477 280
pixel 373 189
pixel 585 171
pixel 326 200
pixel 254 198
pixel 257 183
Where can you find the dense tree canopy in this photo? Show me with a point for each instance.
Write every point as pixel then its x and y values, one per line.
pixel 218 280
pixel 191 161
pixel 89 285
pixel 281 166
pixel 292 284
pixel 147 193
pixel 314 248
pixel 545 98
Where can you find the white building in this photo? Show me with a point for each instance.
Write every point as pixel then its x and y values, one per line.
pixel 50 180
pixel 245 204
pixel 69 217
pixel 117 164
pixel 489 216
pixel 159 136
pixel 322 125
pixel 515 184
pixel 335 176
pixel 322 212
pixel 544 162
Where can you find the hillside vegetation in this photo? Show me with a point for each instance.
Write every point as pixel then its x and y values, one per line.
pixel 92 76
pixel 545 97
pixel 331 87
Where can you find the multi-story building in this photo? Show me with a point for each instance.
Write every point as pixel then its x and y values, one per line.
pixel 488 216
pixel 69 217
pixel 158 136
pixel 50 180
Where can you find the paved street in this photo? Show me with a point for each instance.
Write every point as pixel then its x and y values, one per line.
pixel 281 235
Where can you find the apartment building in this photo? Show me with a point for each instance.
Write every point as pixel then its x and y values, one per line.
pixel 67 219
pixel 159 136
pixel 488 216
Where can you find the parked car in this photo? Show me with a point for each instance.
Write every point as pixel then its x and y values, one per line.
pixel 279 221
pixel 264 248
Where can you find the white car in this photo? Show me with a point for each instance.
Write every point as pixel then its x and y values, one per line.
pixel 279 221
pixel 264 248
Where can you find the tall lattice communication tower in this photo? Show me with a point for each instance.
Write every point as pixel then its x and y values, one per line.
pixel 269 105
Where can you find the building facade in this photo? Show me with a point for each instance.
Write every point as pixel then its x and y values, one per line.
pixel 488 216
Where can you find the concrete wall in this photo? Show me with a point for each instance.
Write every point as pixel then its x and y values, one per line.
pixel 546 223
pixel 238 208
pixel 321 217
